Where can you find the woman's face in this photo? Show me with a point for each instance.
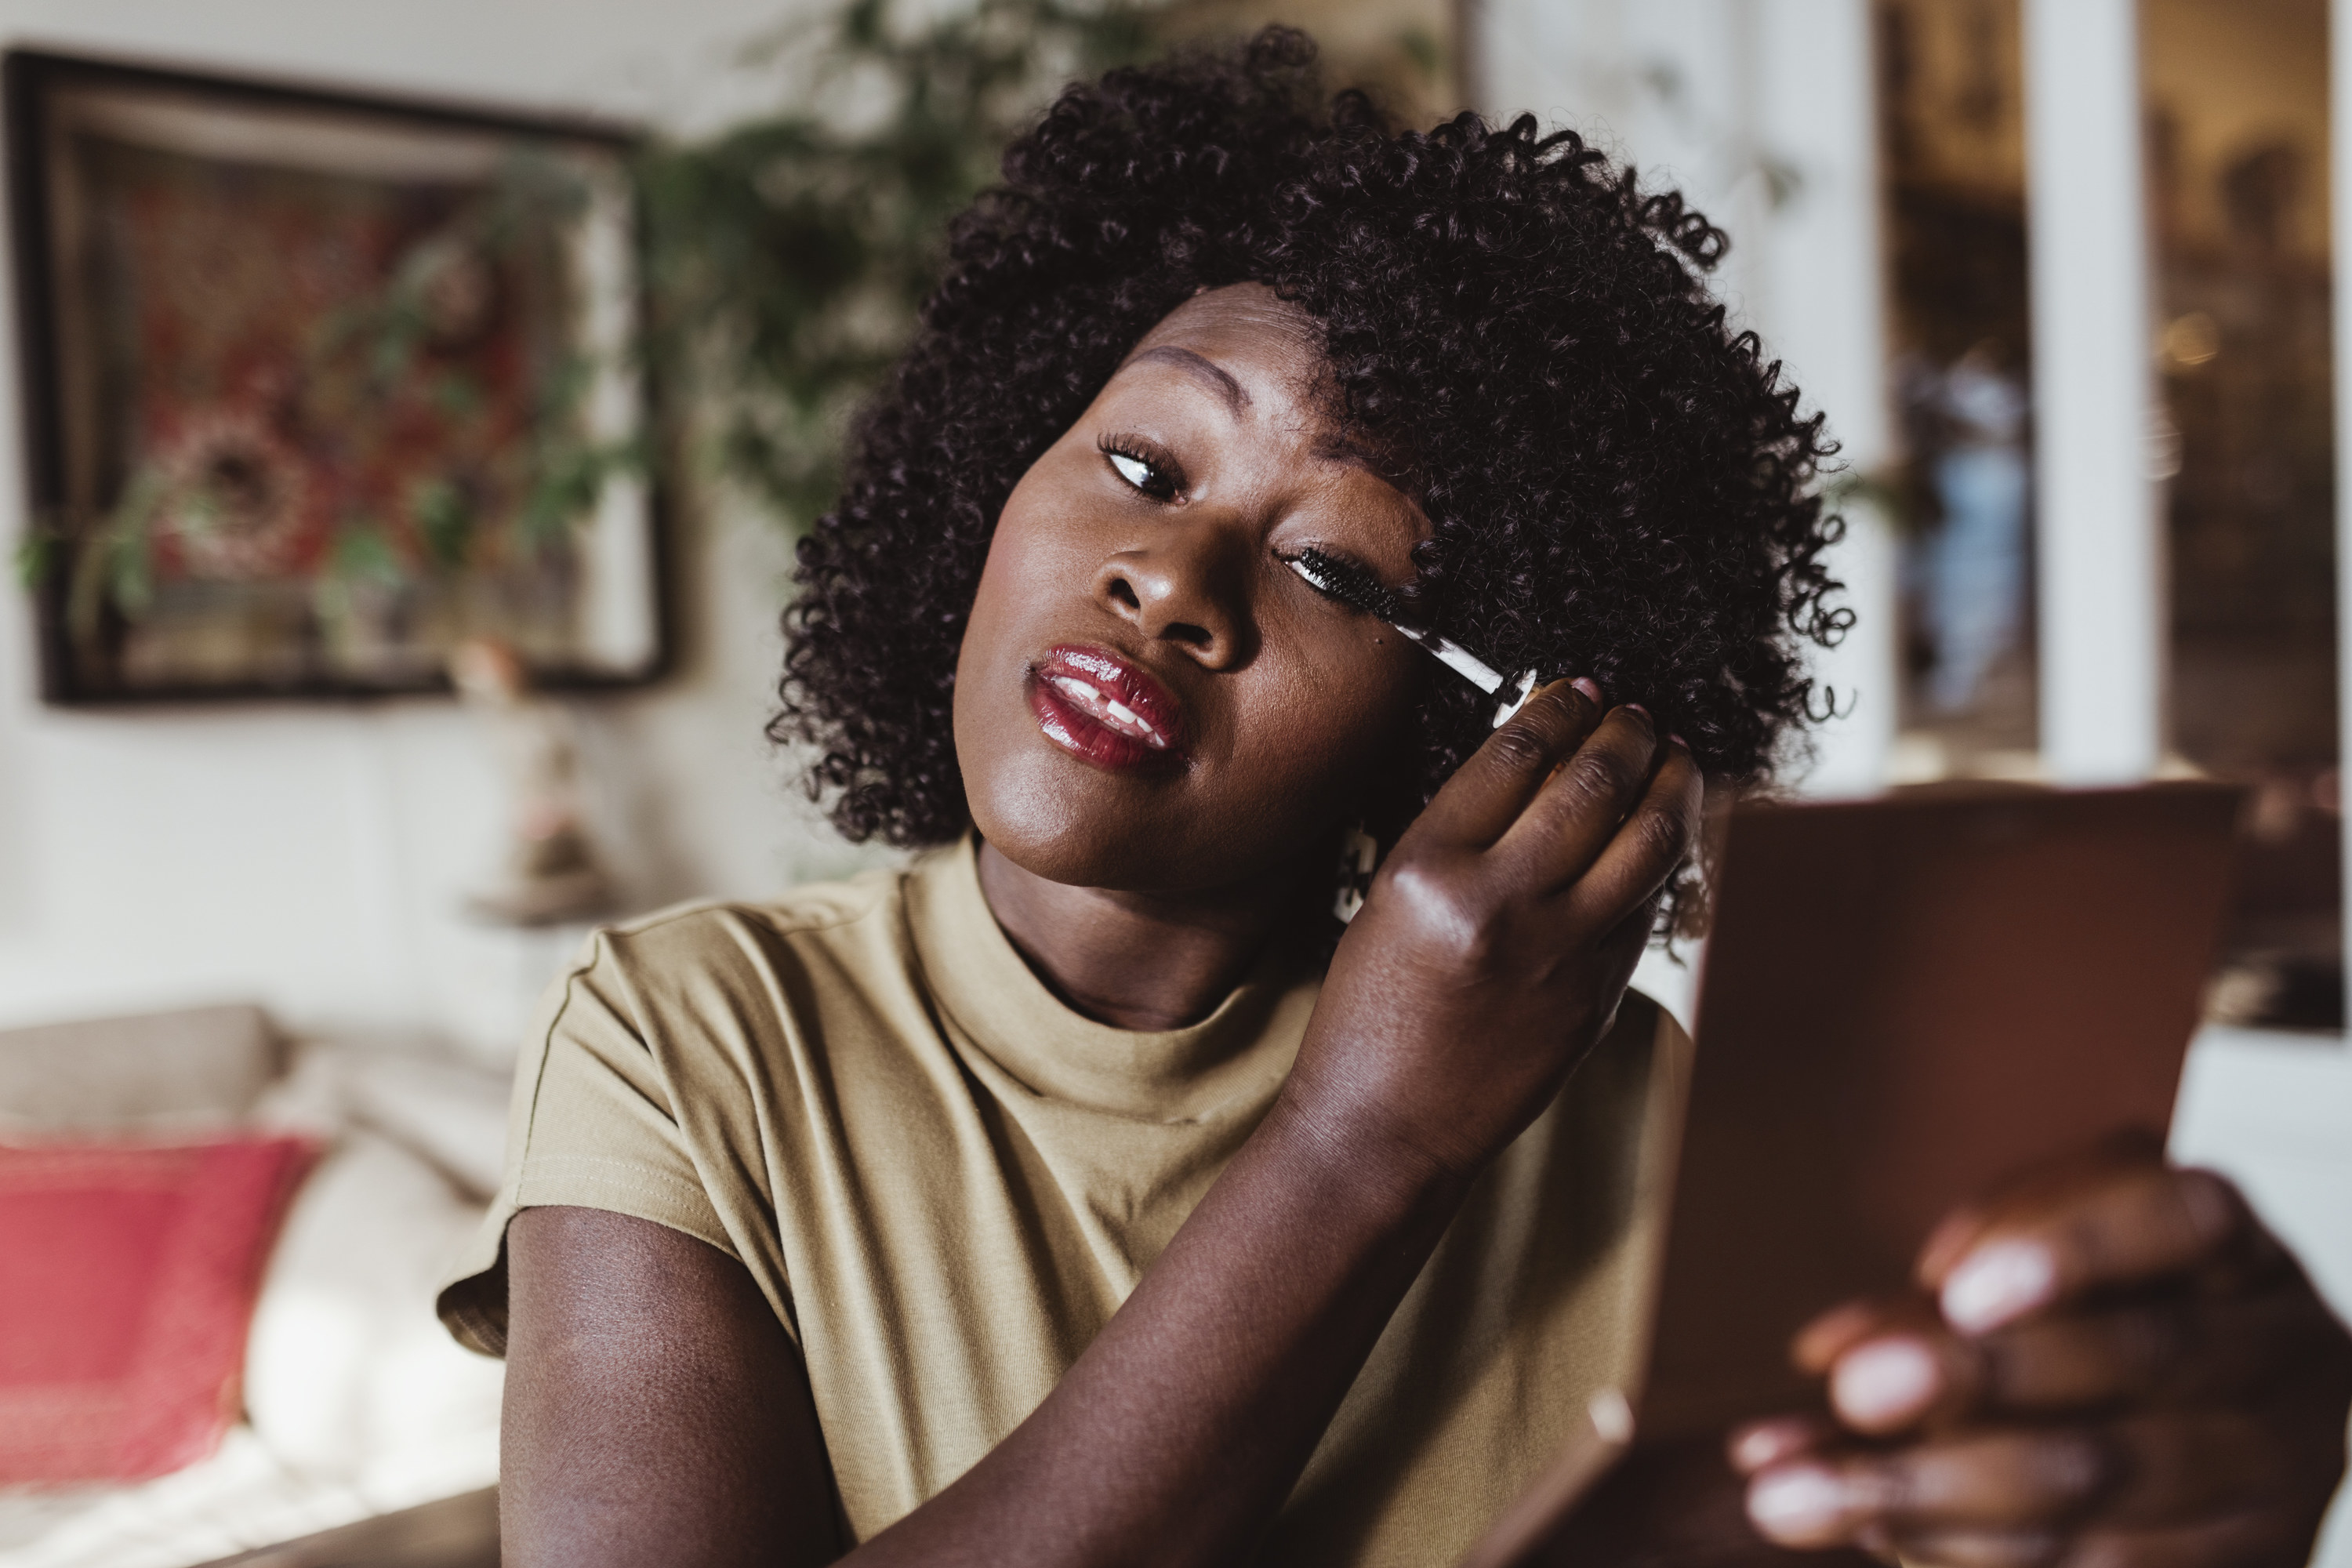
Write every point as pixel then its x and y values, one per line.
pixel 1148 698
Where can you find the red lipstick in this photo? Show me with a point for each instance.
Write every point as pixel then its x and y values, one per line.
pixel 1105 710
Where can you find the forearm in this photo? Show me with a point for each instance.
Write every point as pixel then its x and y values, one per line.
pixel 1179 1432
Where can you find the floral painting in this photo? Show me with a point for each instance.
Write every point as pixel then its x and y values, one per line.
pixel 321 389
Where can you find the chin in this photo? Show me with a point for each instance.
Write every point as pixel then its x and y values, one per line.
pixel 1058 820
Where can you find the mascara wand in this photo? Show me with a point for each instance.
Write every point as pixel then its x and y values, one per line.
pixel 1356 588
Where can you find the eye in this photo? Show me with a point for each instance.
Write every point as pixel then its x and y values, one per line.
pixel 1151 472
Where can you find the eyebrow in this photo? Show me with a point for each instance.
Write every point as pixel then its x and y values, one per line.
pixel 1205 371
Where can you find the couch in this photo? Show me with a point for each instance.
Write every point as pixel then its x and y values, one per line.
pixel 356 1404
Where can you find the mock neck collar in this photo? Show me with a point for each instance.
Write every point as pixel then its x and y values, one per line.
pixel 983 984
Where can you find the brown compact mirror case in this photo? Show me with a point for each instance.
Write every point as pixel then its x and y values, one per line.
pixel 1903 1000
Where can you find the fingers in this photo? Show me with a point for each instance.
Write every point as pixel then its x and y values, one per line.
pixel 2153 1472
pixel 2231 1543
pixel 2233 1540
pixel 1979 1549
pixel 1485 797
pixel 1629 865
pixel 2012 1481
pixel 2126 1226
pixel 1820 1343
pixel 2125 1149
pixel 1893 1366
pixel 1566 795
pixel 1759 1445
pixel 1568 821
pixel 2205 1381
pixel 2184 1348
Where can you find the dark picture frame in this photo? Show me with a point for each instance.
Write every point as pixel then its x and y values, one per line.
pixel 317 384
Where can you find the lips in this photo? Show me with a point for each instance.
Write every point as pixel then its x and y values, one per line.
pixel 1105 710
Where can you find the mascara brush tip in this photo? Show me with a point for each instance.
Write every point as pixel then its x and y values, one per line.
pixel 1360 590
pixel 1349 583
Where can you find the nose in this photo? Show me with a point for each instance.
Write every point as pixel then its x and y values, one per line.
pixel 1187 587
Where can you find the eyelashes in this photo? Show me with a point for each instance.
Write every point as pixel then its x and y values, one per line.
pixel 1151 472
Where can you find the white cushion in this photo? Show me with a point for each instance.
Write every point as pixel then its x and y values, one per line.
pixel 453 1114
pixel 347 1370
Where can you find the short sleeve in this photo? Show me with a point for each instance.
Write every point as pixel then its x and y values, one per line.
pixel 591 1125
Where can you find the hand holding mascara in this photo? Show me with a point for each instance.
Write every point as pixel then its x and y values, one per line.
pixel 1503 929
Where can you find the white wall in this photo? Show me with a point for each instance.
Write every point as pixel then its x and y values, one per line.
pixel 314 855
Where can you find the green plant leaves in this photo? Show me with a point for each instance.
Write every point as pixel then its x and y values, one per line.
pixel 788 256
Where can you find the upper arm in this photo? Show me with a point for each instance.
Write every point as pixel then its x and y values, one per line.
pixel 593 1125
pixel 655 1410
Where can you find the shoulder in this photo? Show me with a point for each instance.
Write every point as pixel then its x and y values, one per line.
pixel 711 935
pixel 808 914
pixel 726 963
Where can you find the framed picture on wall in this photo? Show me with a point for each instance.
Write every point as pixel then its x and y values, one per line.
pixel 317 386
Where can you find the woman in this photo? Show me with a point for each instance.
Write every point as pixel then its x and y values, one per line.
pixel 1070 1197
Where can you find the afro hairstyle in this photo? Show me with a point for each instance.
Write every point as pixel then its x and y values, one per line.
pixel 1619 485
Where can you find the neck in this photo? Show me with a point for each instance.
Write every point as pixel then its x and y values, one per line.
pixel 1138 961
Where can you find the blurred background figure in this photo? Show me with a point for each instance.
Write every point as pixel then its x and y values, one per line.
pixel 1969 571
pixel 1951 144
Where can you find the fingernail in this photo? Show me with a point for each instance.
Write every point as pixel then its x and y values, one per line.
pixel 1678 741
pixel 1765 1443
pixel 1796 1503
pixel 1589 687
pixel 1884 1383
pixel 1998 1283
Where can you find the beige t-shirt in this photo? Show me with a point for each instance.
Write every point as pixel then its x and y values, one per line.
pixel 945 1181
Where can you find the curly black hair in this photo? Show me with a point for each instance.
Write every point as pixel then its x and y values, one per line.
pixel 1619 485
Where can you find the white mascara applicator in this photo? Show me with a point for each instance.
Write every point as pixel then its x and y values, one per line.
pixel 1355 587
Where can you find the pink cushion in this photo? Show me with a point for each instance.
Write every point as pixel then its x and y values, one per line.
pixel 128 1273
